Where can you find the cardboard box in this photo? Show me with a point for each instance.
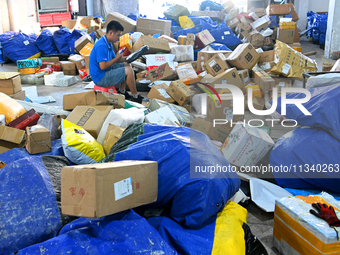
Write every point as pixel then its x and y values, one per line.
pixel 78 60
pixel 182 40
pixel 256 39
pixel 21 95
pixel 6 146
pixel 258 103
pixel 267 66
pixel 203 39
pixel 179 92
pixel 326 67
pixel 103 189
pixel 162 116
pixel 82 41
pixel 261 23
pixel 88 22
pixel 117 100
pixel 245 146
pixel 10 83
pixel 281 9
pixel 296 46
pixel 86 50
pixel 190 39
pixel 293 12
pixel 296 36
pixel 228 6
pixel 244 57
pixel 244 75
pixel 50 59
pixel 233 23
pixel 55 66
pixel 216 65
pixel 70 24
pixel 38 139
pixel 159 92
pixel 281 83
pixel 162 72
pixel 87 61
pixel 187 74
pixel 91 118
pixel 203 56
pixel 68 67
pixel 286 35
pixel 113 134
pixel 153 26
pixel 267 56
pixel 260 12
pixel 229 76
pixel 128 24
pixel 264 80
pixel 90 98
pixel 268 41
pixel 11 135
pixel 155 45
pixel 245 27
pixel 217 133
pixel 222 113
pixel 245 34
pixel 59 118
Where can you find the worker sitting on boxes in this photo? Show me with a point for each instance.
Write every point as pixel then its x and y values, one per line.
pixel 107 69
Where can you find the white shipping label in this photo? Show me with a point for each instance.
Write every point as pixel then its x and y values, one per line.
pixel 266 66
pixel 246 79
pixel 164 93
pixel 83 62
pixel 282 84
pixel 224 81
pixel 123 188
pixel 222 37
pixel 212 63
pixel 26 42
pixel 286 69
pixel 227 33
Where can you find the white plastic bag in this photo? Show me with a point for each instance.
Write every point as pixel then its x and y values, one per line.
pixel 160 59
pixel 135 36
pixel 323 80
pixel 50 122
pixel 183 52
pixel 122 118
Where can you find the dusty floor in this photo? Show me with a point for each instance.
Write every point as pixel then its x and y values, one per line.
pixel 260 222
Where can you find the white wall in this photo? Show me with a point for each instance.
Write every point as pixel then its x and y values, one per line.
pixel 5 25
pixel 21 13
pixel 318 5
pixel 304 6
pixel 333 28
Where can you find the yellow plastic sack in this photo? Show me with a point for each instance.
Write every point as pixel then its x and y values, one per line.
pixel 186 22
pixel 79 146
pixel 10 108
pixel 291 63
pixel 229 234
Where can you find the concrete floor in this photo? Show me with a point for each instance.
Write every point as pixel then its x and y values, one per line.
pixel 260 222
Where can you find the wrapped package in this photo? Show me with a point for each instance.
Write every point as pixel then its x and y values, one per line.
pixel 10 108
pixel 291 63
pixel 183 52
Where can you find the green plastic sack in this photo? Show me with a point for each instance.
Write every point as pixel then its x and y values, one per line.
pixel 175 11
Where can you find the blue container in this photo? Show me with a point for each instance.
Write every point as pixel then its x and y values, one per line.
pixel 29 63
pixel 1 54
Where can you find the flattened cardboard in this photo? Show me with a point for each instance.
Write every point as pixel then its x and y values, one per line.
pixel 38 139
pixel 98 190
pixel 91 118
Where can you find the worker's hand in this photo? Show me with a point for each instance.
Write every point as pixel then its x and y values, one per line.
pixel 326 213
pixel 123 59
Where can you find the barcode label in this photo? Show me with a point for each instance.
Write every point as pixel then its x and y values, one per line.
pixel 212 63
pixel 123 188
pixel 286 69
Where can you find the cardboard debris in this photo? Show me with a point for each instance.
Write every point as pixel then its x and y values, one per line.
pixel 91 118
pixel 68 67
pixel 103 189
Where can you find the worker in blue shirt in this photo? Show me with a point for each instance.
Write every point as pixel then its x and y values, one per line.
pixel 108 69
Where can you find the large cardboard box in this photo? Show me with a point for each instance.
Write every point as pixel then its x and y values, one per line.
pixel 90 98
pixel 153 26
pixel 159 92
pixel 162 72
pixel 281 9
pixel 218 133
pixel 204 55
pixel 103 189
pixel 68 67
pixel 286 35
pixel 245 146
pixel 233 23
pixel 244 57
pixel 264 80
pixel 91 118
pixel 38 139
pixel 179 92
pixel 222 113
pixel 261 23
pixel 229 76
pixel 267 56
pixel 297 232
pixel 256 39
pixel 70 24
pixel 203 39
pixel 113 134
pixel 155 45
pixel 128 24
pixel 82 41
pixel 78 60
pixel 10 83
pixel 245 27
pixel 216 65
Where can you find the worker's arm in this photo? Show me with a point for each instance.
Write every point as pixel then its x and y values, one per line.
pixel 108 64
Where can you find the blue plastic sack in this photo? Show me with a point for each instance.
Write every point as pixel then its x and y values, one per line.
pixel 324 106
pixel 46 44
pixel 19 153
pixel 218 46
pixel 123 233
pixel 61 39
pixel 18 46
pixel 300 150
pixel 210 6
pixel 93 36
pixel 177 151
pixel 198 19
pixel 76 34
pixel 28 212
pixel 222 34
pixel 194 30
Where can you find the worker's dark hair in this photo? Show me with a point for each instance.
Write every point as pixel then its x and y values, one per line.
pixel 114 26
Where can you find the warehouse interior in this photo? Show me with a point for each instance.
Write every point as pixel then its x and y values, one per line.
pixel 169 127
